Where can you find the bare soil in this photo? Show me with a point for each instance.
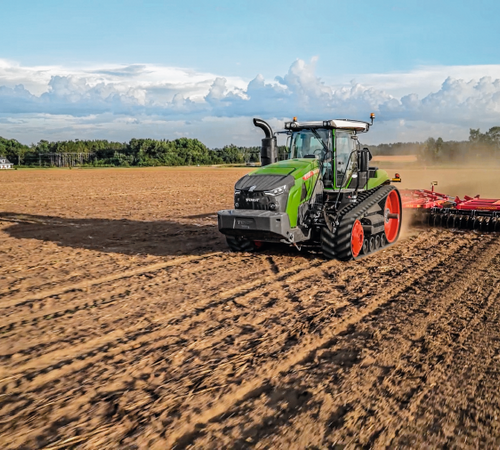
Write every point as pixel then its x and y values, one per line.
pixel 126 323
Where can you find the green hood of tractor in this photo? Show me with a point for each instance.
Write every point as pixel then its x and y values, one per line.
pixel 303 170
pixel 297 168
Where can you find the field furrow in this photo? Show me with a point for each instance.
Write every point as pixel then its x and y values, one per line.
pixel 127 323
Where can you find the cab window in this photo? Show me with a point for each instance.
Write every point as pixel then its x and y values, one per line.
pixel 345 157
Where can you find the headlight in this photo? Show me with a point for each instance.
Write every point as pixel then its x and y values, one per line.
pixel 276 191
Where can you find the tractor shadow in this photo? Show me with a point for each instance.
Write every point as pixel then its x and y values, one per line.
pixel 128 237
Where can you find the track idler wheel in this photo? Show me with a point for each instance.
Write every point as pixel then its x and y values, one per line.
pixel 357 238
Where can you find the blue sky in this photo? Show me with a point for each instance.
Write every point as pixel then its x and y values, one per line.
pixel 121 69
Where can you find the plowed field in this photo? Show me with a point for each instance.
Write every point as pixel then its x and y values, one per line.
pixel 126 323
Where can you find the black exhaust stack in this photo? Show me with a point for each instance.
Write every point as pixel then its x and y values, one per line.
pixel 268 153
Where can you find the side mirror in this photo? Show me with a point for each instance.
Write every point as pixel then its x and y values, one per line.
pixel 364 157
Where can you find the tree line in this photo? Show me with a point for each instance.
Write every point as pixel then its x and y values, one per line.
pixel 137 152
pixel 186 151
pixel 434 151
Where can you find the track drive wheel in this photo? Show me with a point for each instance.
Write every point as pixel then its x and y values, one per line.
pixel 241 244
pixel 392 216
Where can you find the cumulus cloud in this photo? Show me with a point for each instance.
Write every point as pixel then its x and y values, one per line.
pixel 146 96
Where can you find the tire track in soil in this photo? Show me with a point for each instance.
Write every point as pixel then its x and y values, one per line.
pixel 339 266
pixel 139 334
pixel 23 388
pixel 82 285
pixel 457 294
pixel 137 330
pixel 72 306
pixel 353 268
pixel 185 427
pixel 91 322
pixel 462 330
pixel 296 389
pixel 96 281
pixel 373 395
pixel 372 392
pixel 103 341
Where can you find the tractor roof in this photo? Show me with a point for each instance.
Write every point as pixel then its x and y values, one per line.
pixel 342 124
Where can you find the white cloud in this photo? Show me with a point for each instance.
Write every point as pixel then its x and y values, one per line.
pixel 121 102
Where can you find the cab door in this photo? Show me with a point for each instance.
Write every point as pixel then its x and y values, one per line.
pixel 345 158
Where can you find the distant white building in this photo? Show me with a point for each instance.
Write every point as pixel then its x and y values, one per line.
pixel 5 163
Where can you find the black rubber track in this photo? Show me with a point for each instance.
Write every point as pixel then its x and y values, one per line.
pixel 338 245
pixel 328 239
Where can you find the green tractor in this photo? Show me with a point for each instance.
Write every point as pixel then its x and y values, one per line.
pixel 324 193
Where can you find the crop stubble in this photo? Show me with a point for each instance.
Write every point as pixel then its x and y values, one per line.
pixel 126 322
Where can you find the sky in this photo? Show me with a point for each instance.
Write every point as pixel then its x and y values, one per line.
pixel 87 69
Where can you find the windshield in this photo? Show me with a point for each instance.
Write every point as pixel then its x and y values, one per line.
pixel 305 144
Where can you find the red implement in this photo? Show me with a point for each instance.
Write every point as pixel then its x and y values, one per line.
pixel 422 198
pixel 426 199
pixel 438 209
pixel 477 203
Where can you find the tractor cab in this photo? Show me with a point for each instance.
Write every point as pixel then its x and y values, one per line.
pixel 334 143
